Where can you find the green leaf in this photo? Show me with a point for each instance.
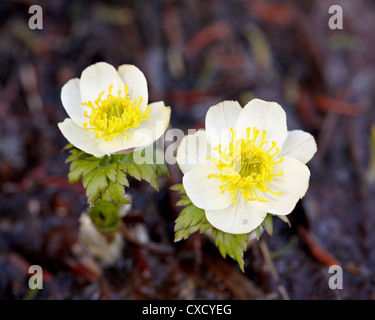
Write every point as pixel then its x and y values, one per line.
pixel 148 173
pixel 232 245
pixel 106 177
pixel 190 220
pixel 257 232
pixel 284 218
pixel 267 224
pixel 87 166
pixel 134 172
pixel 106 196
pixel 184 201
pixel 117 192
pixel 75 174
pixel 178 187
pixel 79 168
pixel 100 179
pixel 92 193
pixel 121 178
pixel 67 147
pixel 74 155
pixel 96 178
pixel 111 171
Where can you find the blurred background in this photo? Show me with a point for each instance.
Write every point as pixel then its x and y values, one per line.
pixel 194 54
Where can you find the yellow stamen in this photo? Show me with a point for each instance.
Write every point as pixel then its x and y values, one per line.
pixel 246 167
pixel 112 116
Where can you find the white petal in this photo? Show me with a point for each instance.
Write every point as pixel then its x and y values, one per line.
pixel 192 151
pixel 219 119
pixel 71 100
pixel 97 78
pixel 81 138
pixel 152 129
pixel 300 145
pixel 237 218
pixel 264 115
pixel 145 134
pixel 118 143
pixel 136 80
pixel 203 192
pixel 293 184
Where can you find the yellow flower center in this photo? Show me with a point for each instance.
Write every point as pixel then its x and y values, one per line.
pixel 246 167
pixel 112 116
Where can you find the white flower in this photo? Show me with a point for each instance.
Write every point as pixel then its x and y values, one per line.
pixel 109 110
pixel 245 165
pixel 107 250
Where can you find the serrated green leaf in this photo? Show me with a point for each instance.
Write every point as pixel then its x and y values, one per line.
pixel 184 201
pixel 190 220
pixel 267 224
pixel 181 234
pixel 134 172
pixel 148 173
pixel 111 171
pixel 100 179
pixel 104 178
pixel 189 216
pixel 117 192
pixel 96 183
pixel 205 225
pixel 121 178
pixel 86 165
pixel 86 179
pixel 232 245
pixel 106 196
pixel 75 154
pixel 76 174
pixel 92 193
pixel 99 175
